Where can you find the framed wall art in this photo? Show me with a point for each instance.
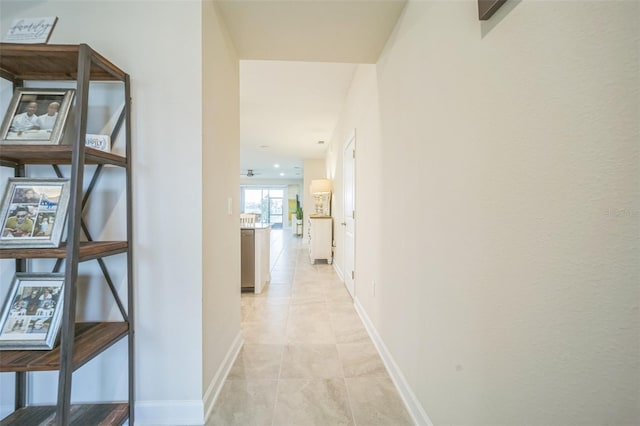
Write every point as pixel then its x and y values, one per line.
pixel 33 212
pixel 32 312
pixel 36 116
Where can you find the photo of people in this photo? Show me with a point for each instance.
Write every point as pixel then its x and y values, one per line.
pixel 36 116
pixel 38 325
pixel 31 309
pixel 32 211
pixel 27 195
pixel 16 325
pixel 18 224
pixel 44 225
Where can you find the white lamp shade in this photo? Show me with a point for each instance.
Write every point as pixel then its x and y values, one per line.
pixel 320 186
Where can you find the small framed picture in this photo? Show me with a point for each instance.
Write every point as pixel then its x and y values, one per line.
pixel 36 116
pixel 33 212
pixel 101 142
pixel 32 312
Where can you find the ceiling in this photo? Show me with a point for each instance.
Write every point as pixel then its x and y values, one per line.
pixel 297 60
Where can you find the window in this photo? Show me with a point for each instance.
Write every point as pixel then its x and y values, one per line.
pixel 265 202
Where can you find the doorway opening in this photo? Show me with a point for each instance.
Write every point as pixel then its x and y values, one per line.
pixel 265 202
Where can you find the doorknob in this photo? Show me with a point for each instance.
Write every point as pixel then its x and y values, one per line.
pixel 343 223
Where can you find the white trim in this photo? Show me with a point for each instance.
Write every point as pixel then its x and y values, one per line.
pixel 5 410
pixel 417 413
pixel 174 413
pixel 169 413
pixel 350 139
pixel 213 391
pixel 338 271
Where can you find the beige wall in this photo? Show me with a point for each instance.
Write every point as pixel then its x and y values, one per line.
pixel 221 236
pixel 512 296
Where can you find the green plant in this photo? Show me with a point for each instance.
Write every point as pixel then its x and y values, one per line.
pixel 299 213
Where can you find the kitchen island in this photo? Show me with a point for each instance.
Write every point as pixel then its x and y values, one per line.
pixel 255 264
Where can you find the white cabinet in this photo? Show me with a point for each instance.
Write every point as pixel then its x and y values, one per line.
pixel 320 238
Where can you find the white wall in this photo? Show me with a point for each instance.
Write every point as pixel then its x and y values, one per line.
pixel 160 45
pixel 253 181
pixel 7 267
pixel 512 298
pixel 221 235
pixel 360 115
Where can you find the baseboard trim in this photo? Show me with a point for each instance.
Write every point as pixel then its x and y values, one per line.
pixel 169 413
pixel 5 410
pixel 214 388
pixel 410 400
pixel 188 413
pixel 338 271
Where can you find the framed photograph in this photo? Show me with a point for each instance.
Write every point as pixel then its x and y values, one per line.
pixel 36 116
pixel 32 312
pixel 33 212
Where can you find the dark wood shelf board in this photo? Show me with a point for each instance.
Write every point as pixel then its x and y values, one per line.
pixel 92 338
pixel 88 250
pixel 52 62
pixel 55 154
pixel 80 415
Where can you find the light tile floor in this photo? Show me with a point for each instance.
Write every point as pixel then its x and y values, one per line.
pixel 306 359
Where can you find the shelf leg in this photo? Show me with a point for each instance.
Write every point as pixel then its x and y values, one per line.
pixel 21 265
pixel 21 390
pixel 73 241
pixel 130 295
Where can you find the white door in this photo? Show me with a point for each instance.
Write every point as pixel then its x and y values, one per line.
pixel 349 165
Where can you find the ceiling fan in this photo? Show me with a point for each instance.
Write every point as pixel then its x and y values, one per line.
pixel 249 173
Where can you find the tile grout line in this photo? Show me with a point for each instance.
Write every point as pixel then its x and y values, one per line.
pixel 344 378
pixel 277 391
pixel 284 348
pixel 275 399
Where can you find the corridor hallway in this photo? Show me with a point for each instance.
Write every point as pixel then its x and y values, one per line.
pixel 307 358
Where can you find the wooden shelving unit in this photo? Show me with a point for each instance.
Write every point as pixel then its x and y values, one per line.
pixel 54 62
pixel 88 250
pixel 91 339
pixel 13 155
pixel 79 415
pixel 79 341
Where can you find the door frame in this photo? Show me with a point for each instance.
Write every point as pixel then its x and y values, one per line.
pixel 348 154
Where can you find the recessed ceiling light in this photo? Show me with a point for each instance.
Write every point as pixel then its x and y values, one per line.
pixel 276 165
pixel 281 174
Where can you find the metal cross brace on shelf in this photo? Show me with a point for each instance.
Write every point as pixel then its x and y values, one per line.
pixel 85 229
